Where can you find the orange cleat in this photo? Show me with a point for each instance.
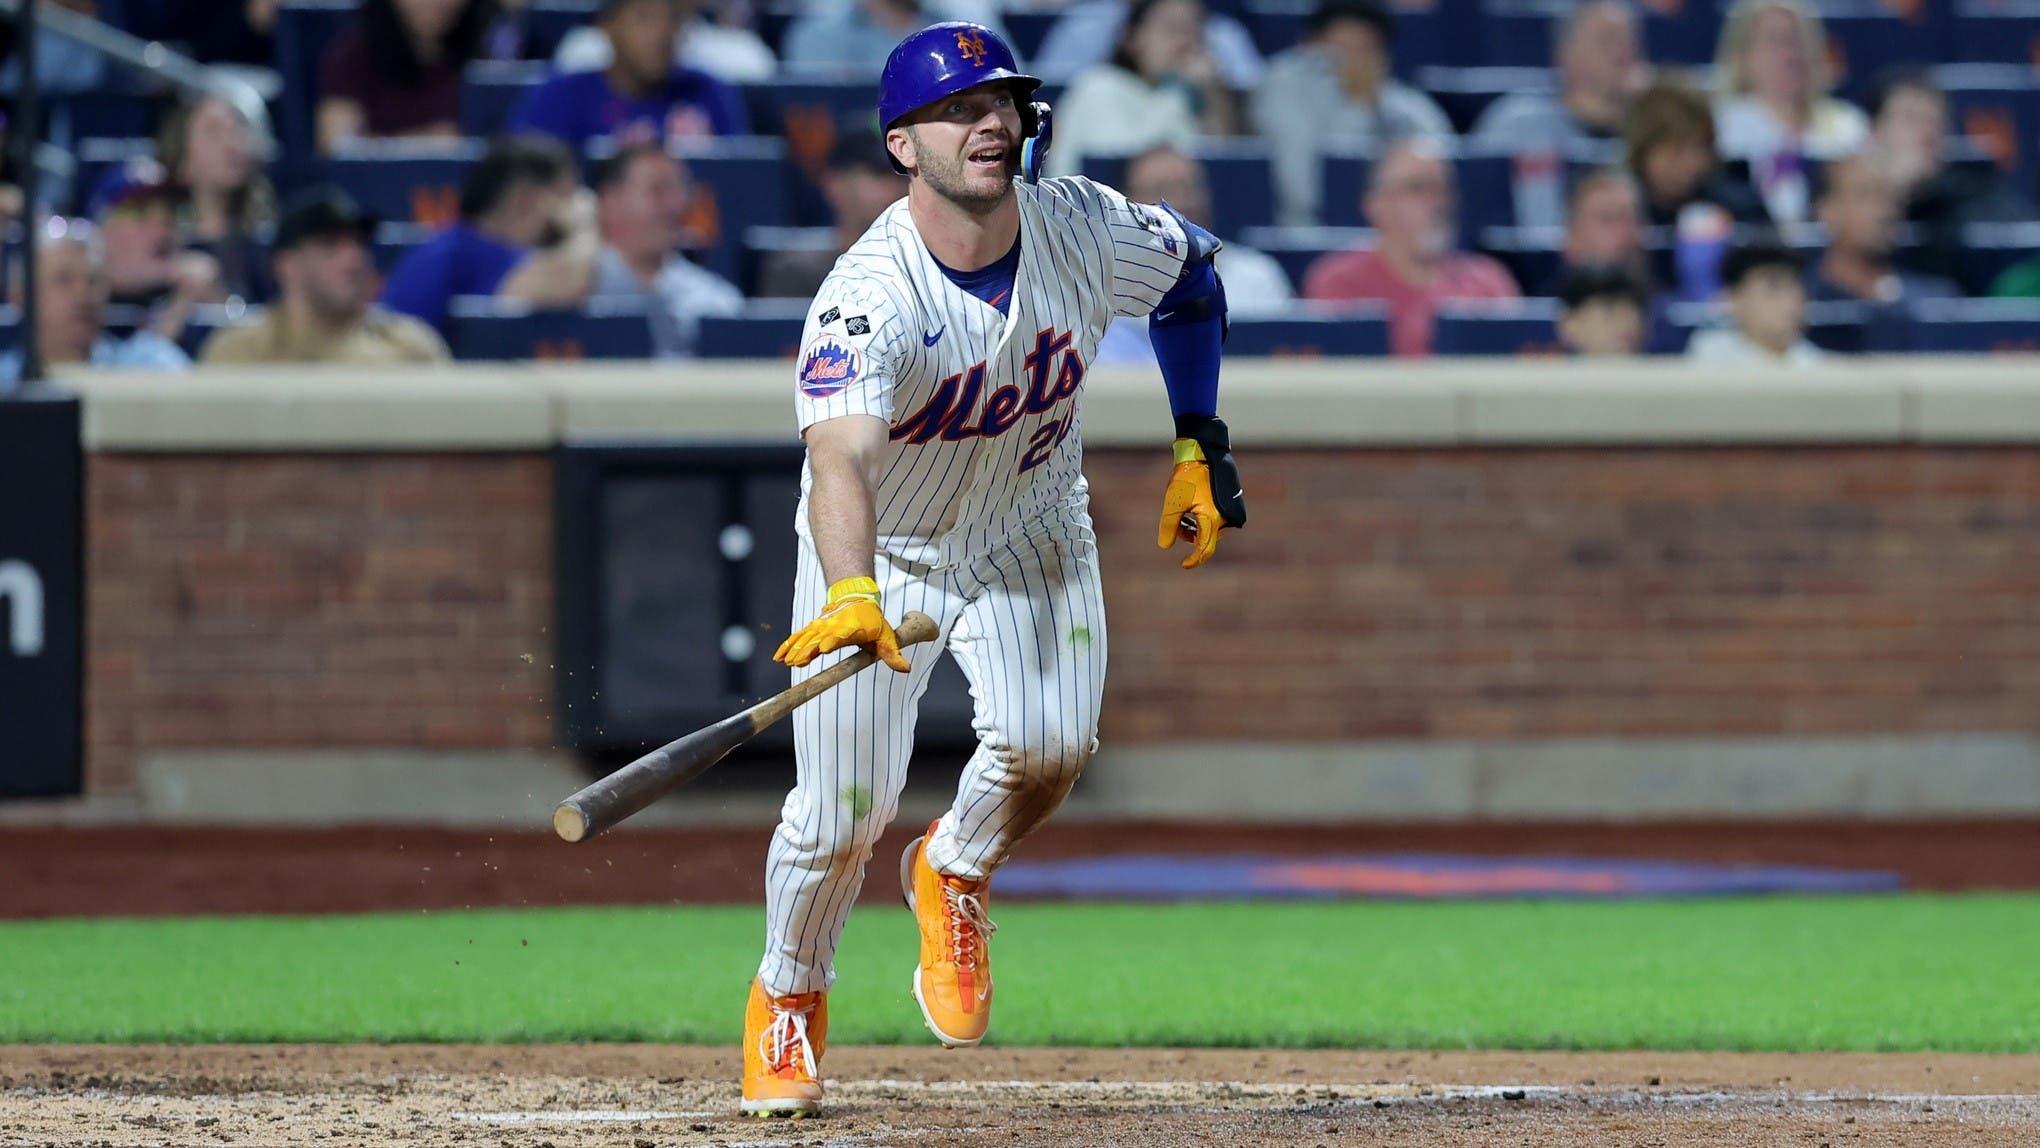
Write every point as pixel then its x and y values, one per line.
pixel 783 1042
pixel 953 982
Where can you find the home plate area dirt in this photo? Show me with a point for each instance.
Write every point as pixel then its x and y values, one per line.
pixel 649 1097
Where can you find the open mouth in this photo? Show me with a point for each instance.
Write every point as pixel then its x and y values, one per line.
pixel 991 157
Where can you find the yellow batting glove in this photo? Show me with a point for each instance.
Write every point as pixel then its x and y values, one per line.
pixel 1191 510
pixel 851 618
pixel 1188 512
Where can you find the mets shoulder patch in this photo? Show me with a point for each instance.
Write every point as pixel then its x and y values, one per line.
pixel 827 366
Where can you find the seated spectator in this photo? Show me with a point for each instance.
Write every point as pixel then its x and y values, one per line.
pixel 1083 36
pixel 1599 59
pixel 1599 64
pixel 1604 224
pixel 1603 308
pixel 858 184
pixel 1859 210
pixel 324 312
pixel 1413 266
pixel 71 291
pixel 396 70
pixel 640 202
pixel 852 38
pixel 526 233
pixel 1255 285
pixel 1774 109
pixel 136 208
pixel 1668 144
pixel 1160 87
pixel 732 54
pixel 208 149
pixel 1336 90
pixel 642 97
pixel 1766 304
pixel 1909 141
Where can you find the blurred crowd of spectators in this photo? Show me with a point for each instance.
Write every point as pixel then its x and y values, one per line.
pixel 1761 143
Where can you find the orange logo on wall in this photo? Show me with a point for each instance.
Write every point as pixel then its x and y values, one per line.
pixel 972 46
pixel 1665 7
pixel 810 133
pixel 1995 131
pixel 435 206
pixel 701 223
pixel 557 350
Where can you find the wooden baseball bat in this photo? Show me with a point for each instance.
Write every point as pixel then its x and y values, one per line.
pixel 610 800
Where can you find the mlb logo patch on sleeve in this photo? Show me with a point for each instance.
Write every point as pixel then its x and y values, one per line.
pixel 826 367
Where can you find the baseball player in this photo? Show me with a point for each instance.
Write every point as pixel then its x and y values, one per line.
pixel 940 384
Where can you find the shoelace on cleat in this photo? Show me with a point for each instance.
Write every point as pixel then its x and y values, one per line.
pixel 968 921
pixel 787 1034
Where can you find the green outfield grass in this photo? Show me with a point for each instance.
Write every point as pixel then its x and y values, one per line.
pixel 1896 972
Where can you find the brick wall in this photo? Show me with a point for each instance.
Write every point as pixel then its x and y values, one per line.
pixel 405 600
pixel 359 600
pixel 1548 593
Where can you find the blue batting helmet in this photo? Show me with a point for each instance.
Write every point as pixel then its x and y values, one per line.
pixel 944 59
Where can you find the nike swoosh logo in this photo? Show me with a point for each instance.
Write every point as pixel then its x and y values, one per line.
pixel 931 340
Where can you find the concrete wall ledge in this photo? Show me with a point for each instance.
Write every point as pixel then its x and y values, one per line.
pixel 1331 403
pixel 1874 778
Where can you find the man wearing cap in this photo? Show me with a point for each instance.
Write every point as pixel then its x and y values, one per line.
pixel 324 312
pixel 136 208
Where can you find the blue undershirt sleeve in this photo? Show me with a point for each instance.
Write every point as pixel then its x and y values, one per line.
pixel 1188 333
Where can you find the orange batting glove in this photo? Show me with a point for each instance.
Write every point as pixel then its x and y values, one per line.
pixel 852 618
pixel 1191 512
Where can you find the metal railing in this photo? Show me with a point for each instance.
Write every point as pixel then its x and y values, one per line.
pixel 152 59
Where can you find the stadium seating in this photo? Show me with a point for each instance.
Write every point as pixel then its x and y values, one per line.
pixel 491 89
pixel 303 29
pixel 1995 31
pixel 1464 93
pixel 768 329
pixel 1486 182
pixel 1998 105
pixel 1242 190
pixel 1988 249
pixel 1508 327
pixel 404 180
pixel 1976 326
pixel 1351 329
pixel 490 329
pixel 1296 248
pixel 1422 32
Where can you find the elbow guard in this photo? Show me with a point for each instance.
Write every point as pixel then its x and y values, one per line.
pixel 1198 294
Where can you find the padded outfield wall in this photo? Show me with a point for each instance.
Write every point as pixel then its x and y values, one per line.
pixel 1468 589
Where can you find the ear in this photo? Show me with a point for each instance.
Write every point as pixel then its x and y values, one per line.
pixel 899 143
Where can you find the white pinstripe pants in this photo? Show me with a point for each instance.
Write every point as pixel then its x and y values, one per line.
pixel 1027 625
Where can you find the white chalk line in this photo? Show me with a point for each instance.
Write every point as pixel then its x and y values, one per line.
pixel 580 1116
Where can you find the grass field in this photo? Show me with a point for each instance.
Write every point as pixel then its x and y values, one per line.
pixel 1915 972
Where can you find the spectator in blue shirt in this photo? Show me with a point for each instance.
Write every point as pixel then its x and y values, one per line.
pixel 526 233
pixel 642 97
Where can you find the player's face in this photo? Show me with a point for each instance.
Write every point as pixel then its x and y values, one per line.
pixel 967 147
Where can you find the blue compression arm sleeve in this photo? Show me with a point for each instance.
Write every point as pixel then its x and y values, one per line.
pixel 1188 332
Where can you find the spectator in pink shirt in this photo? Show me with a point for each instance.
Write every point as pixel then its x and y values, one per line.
pixel 1412 266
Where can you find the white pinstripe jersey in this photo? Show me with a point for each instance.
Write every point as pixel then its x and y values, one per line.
pixel 985 408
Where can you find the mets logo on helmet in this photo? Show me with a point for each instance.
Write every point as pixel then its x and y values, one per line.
pixel 827 368
pixel 972 46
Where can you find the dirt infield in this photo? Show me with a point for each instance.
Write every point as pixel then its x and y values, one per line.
pixel 651 1097
pixel 151 871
